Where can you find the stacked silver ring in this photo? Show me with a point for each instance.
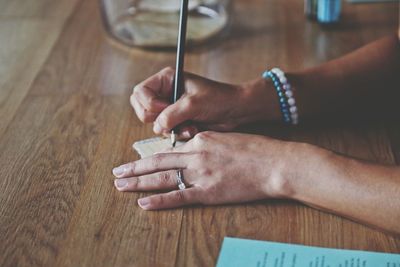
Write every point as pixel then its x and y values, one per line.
pixel 179 178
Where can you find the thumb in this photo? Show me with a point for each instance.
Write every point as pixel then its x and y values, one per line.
pixel 187 132
pixel 174 115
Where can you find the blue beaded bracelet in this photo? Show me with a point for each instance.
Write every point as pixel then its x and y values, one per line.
pixel 283 88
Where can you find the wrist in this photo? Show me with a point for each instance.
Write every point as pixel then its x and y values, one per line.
pixel 258 101
pixel 294 174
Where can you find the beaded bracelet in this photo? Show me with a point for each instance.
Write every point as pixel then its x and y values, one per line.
pixel 287 102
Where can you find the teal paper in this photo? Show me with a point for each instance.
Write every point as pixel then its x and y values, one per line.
pixel 252 253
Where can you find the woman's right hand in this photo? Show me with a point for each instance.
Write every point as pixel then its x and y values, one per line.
pixel 204 105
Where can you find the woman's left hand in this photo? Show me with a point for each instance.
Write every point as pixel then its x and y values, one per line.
pixel 217 168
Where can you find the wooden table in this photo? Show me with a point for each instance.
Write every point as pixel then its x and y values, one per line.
pixel 65 121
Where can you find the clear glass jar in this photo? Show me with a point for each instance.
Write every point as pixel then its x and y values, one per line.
pixel 154 23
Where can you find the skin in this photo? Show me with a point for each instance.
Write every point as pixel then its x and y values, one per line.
pixel 257 167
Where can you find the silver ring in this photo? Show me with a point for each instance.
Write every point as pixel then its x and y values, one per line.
pixel 179 178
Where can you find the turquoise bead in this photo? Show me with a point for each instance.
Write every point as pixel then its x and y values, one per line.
pixel 282 98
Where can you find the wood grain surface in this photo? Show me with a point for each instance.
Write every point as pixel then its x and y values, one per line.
pixel 65 122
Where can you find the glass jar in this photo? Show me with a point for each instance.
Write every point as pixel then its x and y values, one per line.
pixel 154 23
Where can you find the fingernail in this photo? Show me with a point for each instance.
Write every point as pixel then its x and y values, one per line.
pixel 119 171
pixel 186 134
pixel 121 183
pixel 157 128
pixel 143 202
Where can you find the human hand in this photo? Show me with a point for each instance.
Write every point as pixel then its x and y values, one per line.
pixel 205 104
pixel 217 168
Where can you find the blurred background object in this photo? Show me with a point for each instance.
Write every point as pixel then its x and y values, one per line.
pixel 329 11
pixel 324 11
pixel 153 23
pixel 311 8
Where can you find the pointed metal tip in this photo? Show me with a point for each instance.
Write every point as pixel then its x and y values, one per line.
pixel 173 139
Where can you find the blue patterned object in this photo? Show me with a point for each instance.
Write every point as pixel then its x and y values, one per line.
pixel 283 100
pixel 285 94
pixel 329 11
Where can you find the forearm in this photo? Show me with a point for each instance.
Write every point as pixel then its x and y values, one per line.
pixel 358 190
pixel 361 84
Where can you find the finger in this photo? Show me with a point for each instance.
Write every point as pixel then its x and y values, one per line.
pixel 174 115
pixel 159 84
pixel 171 200
pixel 179 148
pixel 157 181
pixel 155 163
pixel 151 101
pixel 143 115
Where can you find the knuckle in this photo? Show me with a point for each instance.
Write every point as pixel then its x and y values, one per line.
pixel 130 167
pixel 205 172
pixel 165 178
pixel 201 138
pixel 209 134
pixel 156 161
pixel 168 70
pixel 202 135
pixel 179 197
pixel 136 89
pixel 136 183
pixel 141 114
pixel 160 200
pixel 198 137
pixel 202 158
